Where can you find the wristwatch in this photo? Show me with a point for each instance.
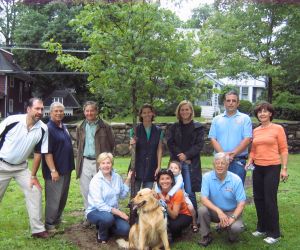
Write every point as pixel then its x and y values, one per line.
pixel 52 170
pixel 233 216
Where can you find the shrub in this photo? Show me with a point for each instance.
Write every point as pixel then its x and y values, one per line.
pixel 245 107
pixel 197 110
pixel 165 109
pixel 287 106
pixel 287 111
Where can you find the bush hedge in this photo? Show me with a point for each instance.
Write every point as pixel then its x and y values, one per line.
pixel 245 107
pixel 197 110
pixel 169 109
pixel 287 111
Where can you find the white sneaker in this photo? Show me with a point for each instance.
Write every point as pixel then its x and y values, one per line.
pixel 271 240
pixel 258 234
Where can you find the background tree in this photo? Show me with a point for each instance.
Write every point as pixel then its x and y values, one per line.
pixel 136 54
pixel 8 13
pixel 247 38
pixel 289 56
pixel 37 23
pixel 200 15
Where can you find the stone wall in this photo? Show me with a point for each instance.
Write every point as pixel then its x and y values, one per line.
pixel 121 131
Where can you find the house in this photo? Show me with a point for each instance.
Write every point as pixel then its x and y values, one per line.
pixel 15 85
pixel 64 96
pixel 250 89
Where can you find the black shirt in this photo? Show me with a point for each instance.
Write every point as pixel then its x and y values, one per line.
pixel 60 146
pixel 186 131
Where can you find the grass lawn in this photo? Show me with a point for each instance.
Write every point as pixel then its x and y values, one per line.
pixel 15 232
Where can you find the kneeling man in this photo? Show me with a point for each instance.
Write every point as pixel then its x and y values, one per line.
pixel 223 198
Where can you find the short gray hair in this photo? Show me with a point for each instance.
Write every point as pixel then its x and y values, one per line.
pixel 56 104
pixel 221 155
pixel 232 92
pixel 90 103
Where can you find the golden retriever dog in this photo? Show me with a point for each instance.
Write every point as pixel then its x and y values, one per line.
pixel 151 229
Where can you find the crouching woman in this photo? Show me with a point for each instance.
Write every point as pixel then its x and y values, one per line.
pixel 179 216
pixel 105 190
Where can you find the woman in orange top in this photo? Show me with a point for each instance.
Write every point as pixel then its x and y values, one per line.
pixel 179 216
pixel 269 155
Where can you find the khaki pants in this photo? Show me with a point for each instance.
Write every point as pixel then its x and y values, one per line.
pixel 33 196
pixel 89 170
pixel 206 216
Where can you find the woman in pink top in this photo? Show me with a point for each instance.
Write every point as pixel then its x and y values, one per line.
pixel 269 155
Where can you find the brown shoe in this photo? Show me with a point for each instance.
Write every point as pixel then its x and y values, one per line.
pixel 206 240
pixel 41 235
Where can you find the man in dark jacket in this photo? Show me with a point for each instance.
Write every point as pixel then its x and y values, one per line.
pixel 94 136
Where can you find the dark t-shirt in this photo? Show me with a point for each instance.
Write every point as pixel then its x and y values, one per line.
pixel 60 146
pixel 186 131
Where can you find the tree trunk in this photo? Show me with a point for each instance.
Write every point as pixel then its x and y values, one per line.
pixel 133 215
pixel 270 89
pixel 134 102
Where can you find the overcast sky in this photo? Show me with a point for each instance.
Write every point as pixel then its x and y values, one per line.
pixel 184 11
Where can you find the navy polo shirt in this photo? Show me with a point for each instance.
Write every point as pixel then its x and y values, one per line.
pixel 60 146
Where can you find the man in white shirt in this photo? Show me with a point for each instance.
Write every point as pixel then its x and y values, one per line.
pixel 20 135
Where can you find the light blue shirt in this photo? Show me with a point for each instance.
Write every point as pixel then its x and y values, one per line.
pixel 224 194
pixel 229 131
pixel 104 194
pixel 89 145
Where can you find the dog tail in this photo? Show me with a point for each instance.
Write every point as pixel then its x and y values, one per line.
pixel 123 243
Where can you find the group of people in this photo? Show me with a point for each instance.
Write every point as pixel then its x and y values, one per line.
pixel 222 190
pixel 51 144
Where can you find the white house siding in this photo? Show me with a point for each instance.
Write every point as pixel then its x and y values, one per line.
pixel 209 101
pixel 251 83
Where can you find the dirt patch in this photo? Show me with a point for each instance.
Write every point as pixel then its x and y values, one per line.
pixel 85 238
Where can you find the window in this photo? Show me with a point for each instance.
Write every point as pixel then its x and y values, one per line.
pixel 11 106
pixel 58 99
pixel 12 82
pixel 245 93
pixel 20 92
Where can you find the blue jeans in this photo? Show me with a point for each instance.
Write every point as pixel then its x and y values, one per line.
pixel 185 171
pixel 142 184
pixel 108 224
pixel 237 166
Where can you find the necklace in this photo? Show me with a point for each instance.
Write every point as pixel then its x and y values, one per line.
pixel 266 126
